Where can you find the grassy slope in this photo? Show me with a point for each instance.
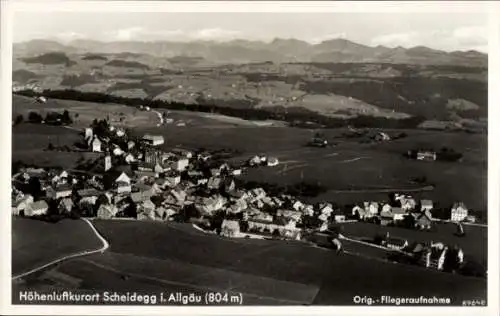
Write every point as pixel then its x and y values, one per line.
pixel 35 243
pixel 338 277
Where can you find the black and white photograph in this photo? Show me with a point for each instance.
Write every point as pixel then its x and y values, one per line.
pixel 221 155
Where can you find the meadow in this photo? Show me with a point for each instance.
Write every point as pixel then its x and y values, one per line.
pixel 35 242
pixel 177 257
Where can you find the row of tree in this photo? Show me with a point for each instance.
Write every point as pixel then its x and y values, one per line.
pixel 51 118
pixel 245 110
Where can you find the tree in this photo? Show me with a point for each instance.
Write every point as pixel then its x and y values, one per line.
pixel 66 119
pixel 35 188
pixel 19 119
pixel 34 117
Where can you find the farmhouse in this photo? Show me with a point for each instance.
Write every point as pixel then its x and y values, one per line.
pixel 386 218
pixel 154 140
pixel 230 228
pixel 36 208
pixel 180 164
pixel 426 205
pixel 272 161
pixel 19 206
pixel 96 145
pixel 63 190
pixel 398 213
pixel 458 212
pixel 434 256
pixel 395 243
pixel 424 220
pixel 66 205
pixel 371 208
pixel 426 155
pixel 107 211
pixel 359 212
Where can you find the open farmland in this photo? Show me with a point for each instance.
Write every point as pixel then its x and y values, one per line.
pixel 30 142
pixel 352 172
pixel 266 272
pixel 35 243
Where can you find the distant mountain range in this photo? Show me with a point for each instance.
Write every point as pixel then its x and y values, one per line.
pixel 277 51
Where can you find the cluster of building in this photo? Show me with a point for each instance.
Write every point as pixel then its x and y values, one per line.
pixel 139 179
pixel 404 209
pixel 432 255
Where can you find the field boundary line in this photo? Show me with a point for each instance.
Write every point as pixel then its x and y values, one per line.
pixel 79 254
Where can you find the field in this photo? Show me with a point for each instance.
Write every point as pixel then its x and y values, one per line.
pixel 351 165
pixel 35 243
pixel 176 257
pixel 30 142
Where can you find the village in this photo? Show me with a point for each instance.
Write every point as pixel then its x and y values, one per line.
pixel 133 178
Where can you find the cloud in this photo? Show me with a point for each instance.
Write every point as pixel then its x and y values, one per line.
pixel 143 34
pixel 462 38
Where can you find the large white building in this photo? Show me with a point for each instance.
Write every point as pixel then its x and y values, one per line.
pixel 154 140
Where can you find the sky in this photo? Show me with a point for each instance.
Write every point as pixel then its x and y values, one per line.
pixel 446 31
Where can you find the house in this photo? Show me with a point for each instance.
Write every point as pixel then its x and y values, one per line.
pixel 381 136
pixel 180 164
pixel 96 145
pixel 123 177
pixel 88 193
pixel 63 191
pixel 338 217
pixel 325 208
pixel 36 208
pixel 20 205
pixel 117 151
pixel 398 213
pixel 295 215
pixel 395 243
pixel 254 161
pixel 407 203
pixel 434 256
pixel 386 218
pixel 89 134
pixel 308 210
pixel 164 213
pixel 145 176
pixel 458 212
pixel 237 206
pixel 154 140
pixel 147 206
pixel 359 212
pixel 214 183
pixel 230 228
pixel 423 220
pixel 107 211
pixel 123 187
pixel 172 179
pixel 229 185
pixel 272 161
pixel 144 189
pixel 426 205
pixel 298 205
pixel 66 205
pixel 236 172
pixel 130 144
pixel 426 155
pixel 120 132
pixel 371 208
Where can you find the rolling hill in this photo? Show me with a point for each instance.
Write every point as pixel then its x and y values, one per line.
pixel 278 50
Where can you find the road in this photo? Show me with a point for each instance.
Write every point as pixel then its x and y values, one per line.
pixel 105 245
